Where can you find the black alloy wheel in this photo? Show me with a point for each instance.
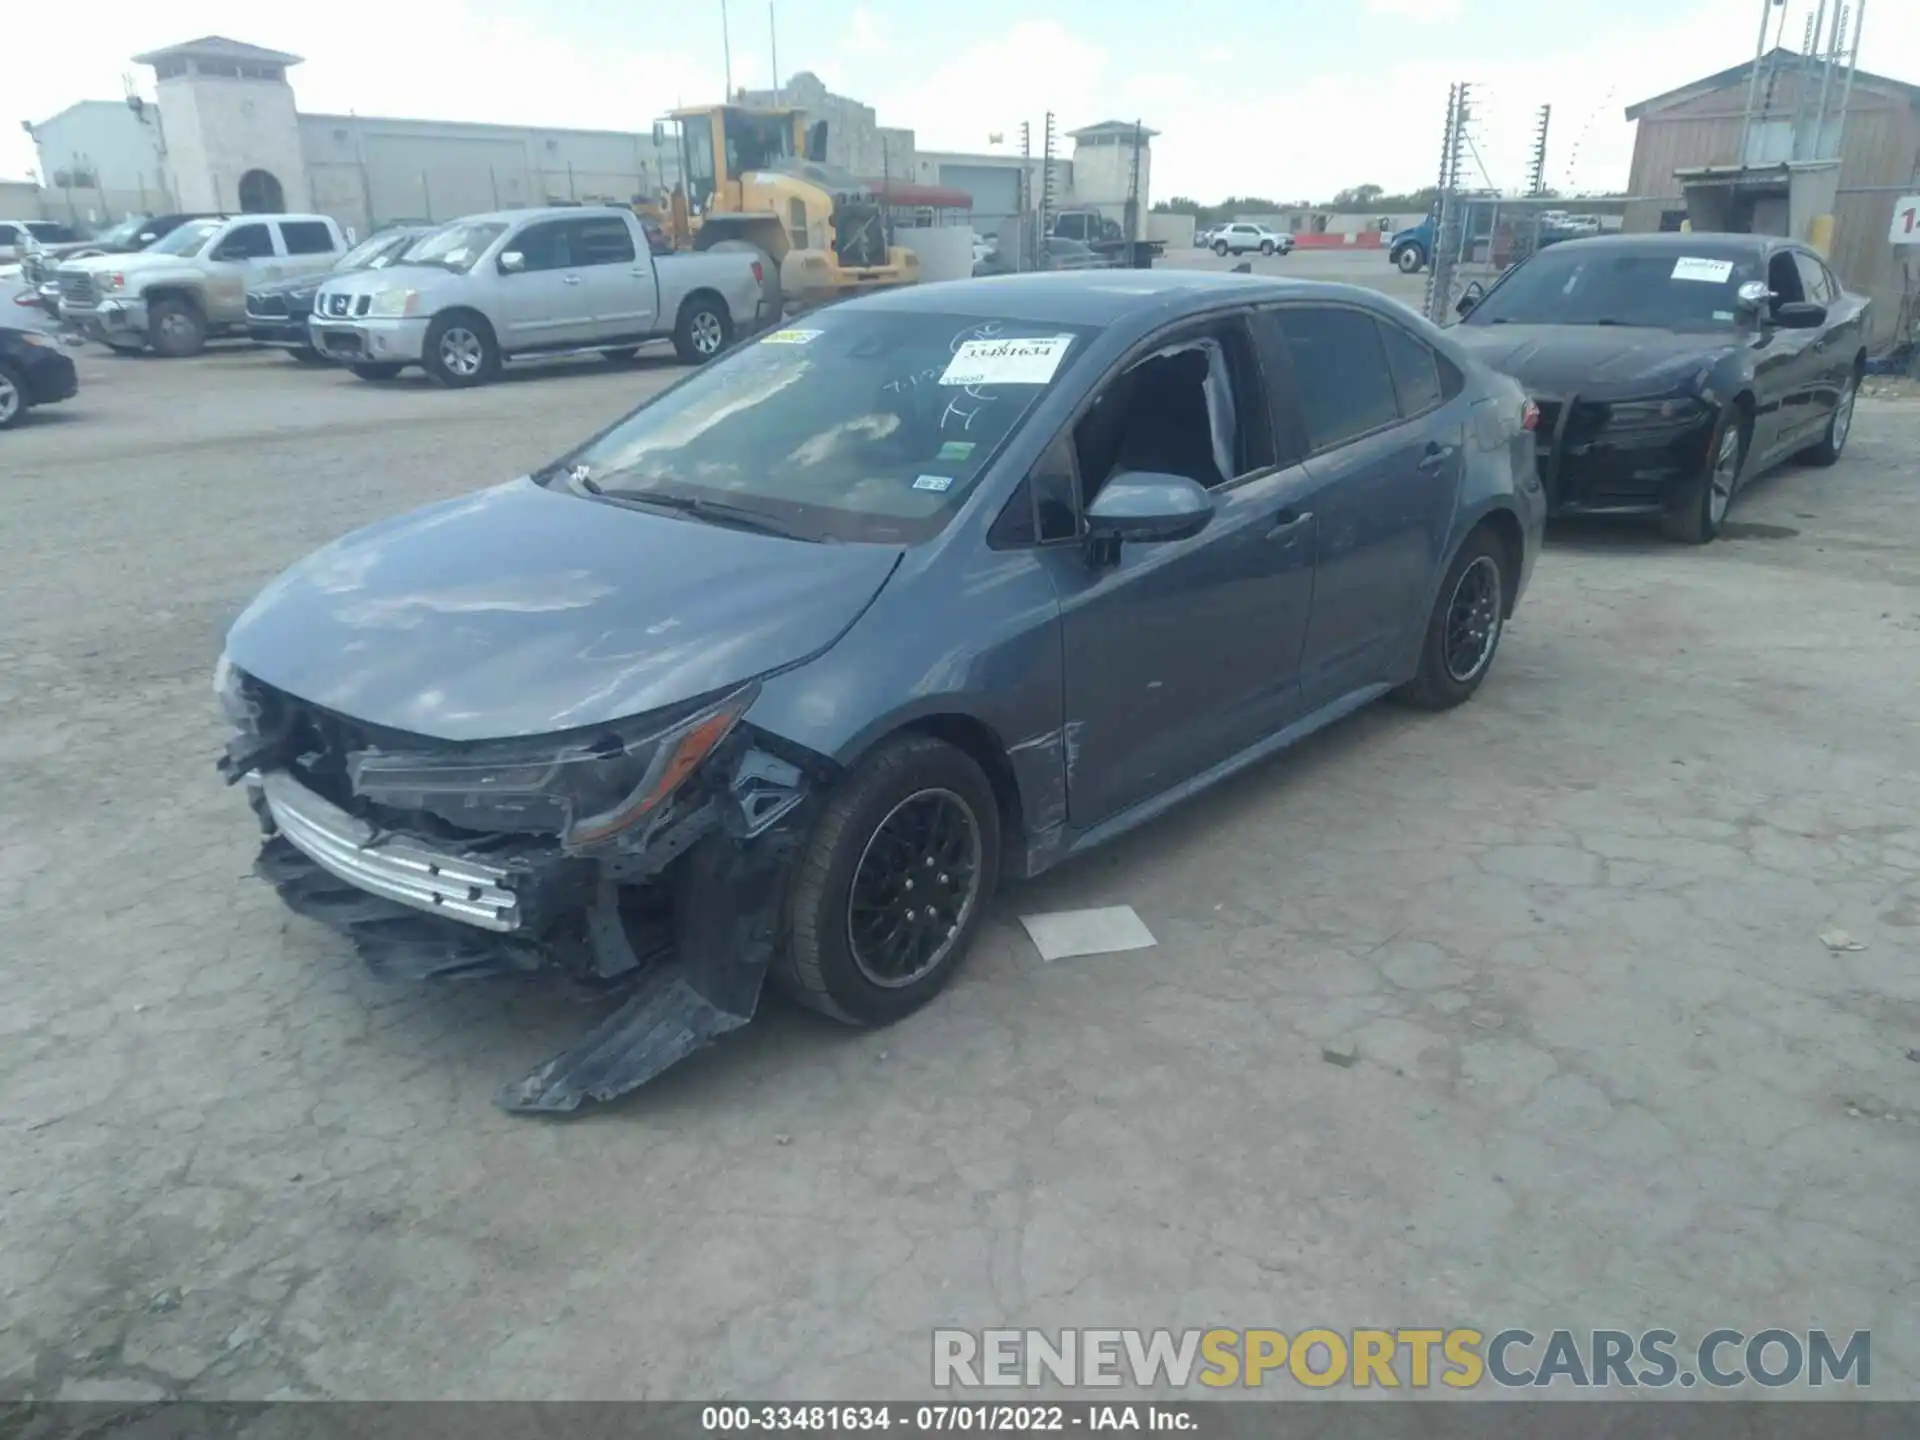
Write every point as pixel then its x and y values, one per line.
pixel 914 887
pixel 892 884
pixel 1464 627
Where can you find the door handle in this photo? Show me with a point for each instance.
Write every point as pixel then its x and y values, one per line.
pixel 1435 456
pixel 1288 521
pixel 569 279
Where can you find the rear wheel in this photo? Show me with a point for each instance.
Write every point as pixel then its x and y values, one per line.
pixel 894 882
pixel 370 371
pixel 1701 505
pixel 703 330
pixel 1220 247
pixel 13 397
pixel 1463 631
pixel 176 329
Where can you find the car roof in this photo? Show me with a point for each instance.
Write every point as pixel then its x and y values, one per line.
pixel 1667 242
pixel 537 212
pixel 1101 297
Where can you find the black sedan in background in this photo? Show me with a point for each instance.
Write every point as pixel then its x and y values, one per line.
pixel 1671 369
pixel 34 370
pixel 277 313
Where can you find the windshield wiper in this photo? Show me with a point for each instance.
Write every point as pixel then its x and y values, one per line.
pixel 718 512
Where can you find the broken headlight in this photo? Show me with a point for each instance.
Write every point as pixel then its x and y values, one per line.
pixel 588 789
pixel 229 688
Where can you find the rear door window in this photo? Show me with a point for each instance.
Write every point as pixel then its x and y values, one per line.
pixel 1415 371
pixel 601 241
pixel 1340 371
pixel 306 237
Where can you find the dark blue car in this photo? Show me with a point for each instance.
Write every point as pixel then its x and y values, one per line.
pixel 781 672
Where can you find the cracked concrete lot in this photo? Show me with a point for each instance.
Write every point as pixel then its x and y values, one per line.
pixel 1606 1073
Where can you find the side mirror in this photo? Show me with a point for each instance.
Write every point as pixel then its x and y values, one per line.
pixel 1142 505
pixel 1470 297
pixel 1800 315
pixel 1754 296
pixel 512 262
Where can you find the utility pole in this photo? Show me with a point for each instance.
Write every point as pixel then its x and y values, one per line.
pixel 1047 196
pixel 1537 172
pixel 773 46
pixel 726 51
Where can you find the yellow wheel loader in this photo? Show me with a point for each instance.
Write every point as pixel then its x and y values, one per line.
pixel 758 178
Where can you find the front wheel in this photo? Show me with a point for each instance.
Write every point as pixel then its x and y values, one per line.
pixel 371 371
pixel 893 884
pixel 175 329
pixel 307 355
pixel 1839 425
pixel 1266 247
pixel 703 330
pixel 459 351
pixel 1463 630
pixel 1700 505
pixel 1408 260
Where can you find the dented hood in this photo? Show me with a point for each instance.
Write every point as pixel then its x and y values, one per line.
pixel 522 611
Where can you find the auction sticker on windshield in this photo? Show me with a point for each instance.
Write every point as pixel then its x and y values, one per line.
pixel 1007 362
pixel 1713 272
pixel 790 337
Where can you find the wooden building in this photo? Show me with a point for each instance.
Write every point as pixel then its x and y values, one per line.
pixel 1691 138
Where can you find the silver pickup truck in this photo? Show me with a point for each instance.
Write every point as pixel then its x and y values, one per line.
pixel 528 284
pixel 191 284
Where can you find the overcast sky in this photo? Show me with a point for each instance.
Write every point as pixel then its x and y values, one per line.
pixel 1286 100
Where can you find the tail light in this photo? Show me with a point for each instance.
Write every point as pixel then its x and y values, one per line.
pixel 759 275
pixel 1529 416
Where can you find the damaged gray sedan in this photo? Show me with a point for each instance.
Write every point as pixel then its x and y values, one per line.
pixel 781 672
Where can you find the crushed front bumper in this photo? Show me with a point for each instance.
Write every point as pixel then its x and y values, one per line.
pixel 679 924
pixel 1590 465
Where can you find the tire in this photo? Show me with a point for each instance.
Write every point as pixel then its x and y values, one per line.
pixel 1833 439
pixel 381 371
pixel 175 329
pixel 908 779
pixel 620 354
pixel 13 397
pixel 1266 247
pixel 307 355
pixel 1450 672
pixel 703 331
pixel 1407 260
pixel 1700 506
pixel 460 350
pixel 1220 247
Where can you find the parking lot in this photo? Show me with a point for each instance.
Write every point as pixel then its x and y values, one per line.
pixel 1518 1015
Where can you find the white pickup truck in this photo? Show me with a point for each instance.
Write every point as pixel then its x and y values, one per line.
pixel 191 284
pixel 529 284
